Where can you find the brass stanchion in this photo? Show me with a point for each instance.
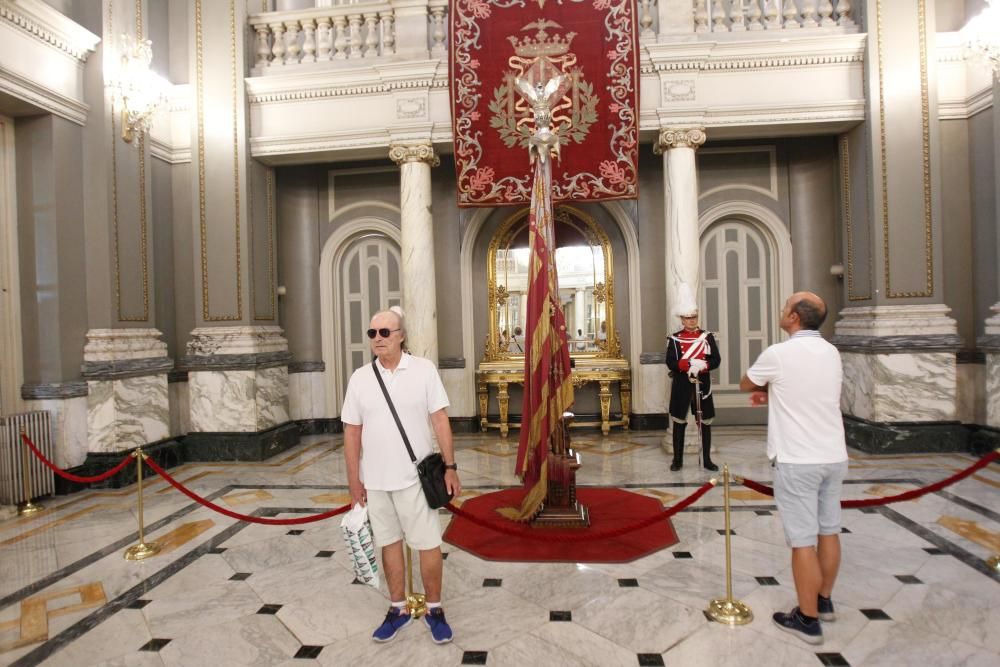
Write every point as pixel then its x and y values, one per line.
pixel 994 563
pixel 727 610
pixel 27 507
pixel 416 603
pixel 141 550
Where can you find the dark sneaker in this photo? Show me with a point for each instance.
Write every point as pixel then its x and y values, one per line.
pixel 825 606
pixel 394 621
pixel 440 630
pixel 794 623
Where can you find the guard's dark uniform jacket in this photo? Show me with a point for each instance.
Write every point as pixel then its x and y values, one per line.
pixel 682 347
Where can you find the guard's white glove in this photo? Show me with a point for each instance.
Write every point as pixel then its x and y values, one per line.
pixel 697 367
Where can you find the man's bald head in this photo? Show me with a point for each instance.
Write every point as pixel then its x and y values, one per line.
pixel 809 307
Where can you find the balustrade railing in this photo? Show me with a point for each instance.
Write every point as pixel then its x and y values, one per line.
pixel 718 16
pixel 320 34
pixel 345 30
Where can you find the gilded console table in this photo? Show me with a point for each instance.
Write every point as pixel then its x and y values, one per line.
pixel 604 372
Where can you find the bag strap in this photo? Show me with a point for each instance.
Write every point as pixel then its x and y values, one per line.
pixel 392 409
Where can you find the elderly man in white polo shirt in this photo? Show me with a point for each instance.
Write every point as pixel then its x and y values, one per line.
pixel 799 379
pixel 381 474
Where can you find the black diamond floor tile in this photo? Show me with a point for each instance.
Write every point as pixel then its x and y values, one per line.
pixel 650 659
pixel 269 609
pixel 682 554
pixel 844 529
pixel 308 652
pixel 934 551
pixel 833 660
pixel 908 579
pixel 154 645
pixel 876 614
pixel 240 576
pixel 474 658
pixel 766 581
pixel 295 532
pixel 492 583
pixel 560 616
pixel 722 531
pixel 762 512
pixel 628 583
pixel 324 554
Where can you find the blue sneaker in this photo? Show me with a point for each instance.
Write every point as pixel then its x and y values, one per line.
pixel 440 630
pixel 394 621
pixel 825 606
pixel 794 623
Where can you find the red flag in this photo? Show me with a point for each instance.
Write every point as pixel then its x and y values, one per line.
pixel 548 391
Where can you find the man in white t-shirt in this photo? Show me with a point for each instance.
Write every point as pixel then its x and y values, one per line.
pixel 800 379
pixel 381 474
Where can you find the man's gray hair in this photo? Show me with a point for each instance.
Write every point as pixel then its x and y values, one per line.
pixel 398 312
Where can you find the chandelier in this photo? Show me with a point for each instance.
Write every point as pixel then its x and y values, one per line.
pixel 981 36
pixel 136 89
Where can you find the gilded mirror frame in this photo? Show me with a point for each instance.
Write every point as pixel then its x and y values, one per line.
pixel 603 292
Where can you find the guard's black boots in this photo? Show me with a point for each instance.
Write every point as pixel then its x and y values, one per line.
pixel 678 461
pixel 706 448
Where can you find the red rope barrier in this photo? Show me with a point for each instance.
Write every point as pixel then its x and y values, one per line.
pixel 70 476
pixel 585 537
pixel 236 515
pixel 899 497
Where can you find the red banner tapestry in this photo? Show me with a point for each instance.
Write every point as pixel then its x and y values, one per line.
pixel 496 42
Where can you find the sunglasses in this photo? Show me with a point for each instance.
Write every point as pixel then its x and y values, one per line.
pixel 383 332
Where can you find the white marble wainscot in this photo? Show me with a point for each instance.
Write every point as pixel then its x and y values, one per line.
pixel 271 396
pixel 127 412
pixel 654 382
pixel 69 427
pixel 238 401
pixel 970 397
pixel 915 387
pixel 461 389
pixel 307 395
pixel 180 408
pixel 900 387
pixel 993 389
pixel 222 401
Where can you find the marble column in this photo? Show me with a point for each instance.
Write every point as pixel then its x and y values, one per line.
pixel 236 357
pixel 899 346
pixel 417 241
pixel 680 192
pixel 990 342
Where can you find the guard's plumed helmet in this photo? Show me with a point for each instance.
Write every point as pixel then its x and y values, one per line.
pixel 686 305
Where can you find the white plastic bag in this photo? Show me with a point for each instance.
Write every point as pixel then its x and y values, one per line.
pixel 357 530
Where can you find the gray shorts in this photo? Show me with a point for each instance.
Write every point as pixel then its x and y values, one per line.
pixel 808 498
pixel 396 515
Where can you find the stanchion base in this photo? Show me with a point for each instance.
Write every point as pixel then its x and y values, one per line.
pixel 416 604
pixel 730 612
pixel 29 508
pixel 994 563
pixel 142 550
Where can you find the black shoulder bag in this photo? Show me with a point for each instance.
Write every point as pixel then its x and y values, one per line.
pixel 431 469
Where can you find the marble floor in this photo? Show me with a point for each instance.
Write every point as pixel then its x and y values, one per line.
pixel 914 587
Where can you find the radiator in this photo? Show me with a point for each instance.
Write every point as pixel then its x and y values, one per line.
pixel 13 453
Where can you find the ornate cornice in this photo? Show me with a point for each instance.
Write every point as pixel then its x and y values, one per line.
pixel 49 26
pixel 41 96
pixel 756 54
pixel 403 153
pixel 684 137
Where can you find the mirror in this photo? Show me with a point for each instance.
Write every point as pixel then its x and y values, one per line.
pixel 586 286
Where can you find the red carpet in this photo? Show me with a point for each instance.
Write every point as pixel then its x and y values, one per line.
pixel 610 509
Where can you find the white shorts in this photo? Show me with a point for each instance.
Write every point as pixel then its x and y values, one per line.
pixel 396 515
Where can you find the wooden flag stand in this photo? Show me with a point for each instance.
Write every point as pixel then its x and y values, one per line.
pixel 561 509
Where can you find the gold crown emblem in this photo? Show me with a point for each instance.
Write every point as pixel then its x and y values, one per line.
pixel 542 44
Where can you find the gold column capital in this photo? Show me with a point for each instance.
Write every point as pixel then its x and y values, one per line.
pixel 679 137
pixel 403 153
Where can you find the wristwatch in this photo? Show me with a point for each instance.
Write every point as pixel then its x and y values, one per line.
pixel 451 466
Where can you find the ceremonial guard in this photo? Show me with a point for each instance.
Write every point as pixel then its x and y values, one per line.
pixel 691 354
